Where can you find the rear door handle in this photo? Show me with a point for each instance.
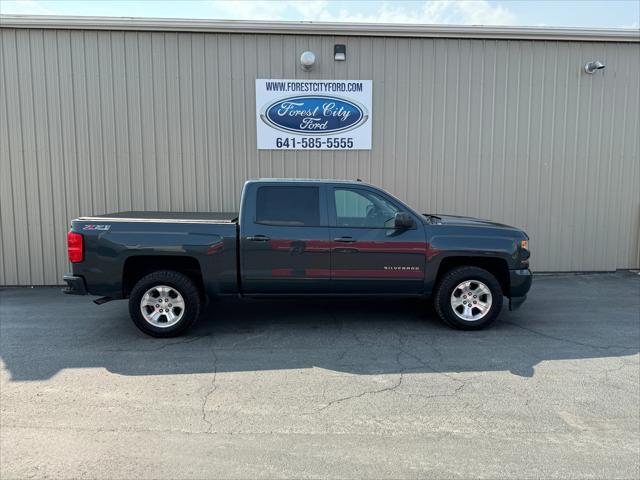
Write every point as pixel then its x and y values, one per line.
pixel 258 238
pixel 344 240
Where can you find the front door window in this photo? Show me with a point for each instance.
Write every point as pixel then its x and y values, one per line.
pixel 363 209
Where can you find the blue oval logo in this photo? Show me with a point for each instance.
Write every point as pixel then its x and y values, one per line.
pixel 314 115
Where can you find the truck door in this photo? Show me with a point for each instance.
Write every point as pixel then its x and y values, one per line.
pixel 368 254
pixel 285 247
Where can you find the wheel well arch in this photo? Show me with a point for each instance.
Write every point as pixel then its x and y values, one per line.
pixel 137 266
pixel 494 265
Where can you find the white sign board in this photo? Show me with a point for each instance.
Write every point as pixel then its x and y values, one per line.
pixel 313 114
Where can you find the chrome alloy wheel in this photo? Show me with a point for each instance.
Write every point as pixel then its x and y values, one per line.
pixel 471 300
pixel 162 306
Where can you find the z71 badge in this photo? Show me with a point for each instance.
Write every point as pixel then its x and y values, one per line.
pixel 96 227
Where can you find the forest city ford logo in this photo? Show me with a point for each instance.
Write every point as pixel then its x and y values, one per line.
pixel 314 115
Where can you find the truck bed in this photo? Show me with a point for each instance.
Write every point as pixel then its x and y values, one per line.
pixel 116 244
pixel 213 217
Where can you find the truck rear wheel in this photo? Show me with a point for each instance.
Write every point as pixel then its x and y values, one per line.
pixel 468 298
pixel 164 303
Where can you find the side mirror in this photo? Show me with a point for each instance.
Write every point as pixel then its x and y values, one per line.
pixel 403 221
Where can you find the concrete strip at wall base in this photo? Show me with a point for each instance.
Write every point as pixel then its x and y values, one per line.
pixel 96 121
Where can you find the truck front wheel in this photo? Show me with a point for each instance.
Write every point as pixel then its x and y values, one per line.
pixel 164 303
pixel 468 298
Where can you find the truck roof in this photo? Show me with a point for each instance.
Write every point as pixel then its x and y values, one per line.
pixel 309 180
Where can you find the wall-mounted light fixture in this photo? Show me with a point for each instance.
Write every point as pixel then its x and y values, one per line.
pixel 339 53
pixel 591 67
pixel 307 60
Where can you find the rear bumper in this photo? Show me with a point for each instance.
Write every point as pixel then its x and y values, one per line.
pixel 75 285
pixel 519 284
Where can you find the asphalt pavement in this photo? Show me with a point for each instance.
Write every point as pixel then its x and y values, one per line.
pixel 325 389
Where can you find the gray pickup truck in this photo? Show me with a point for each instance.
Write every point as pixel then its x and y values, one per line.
pixel 293 238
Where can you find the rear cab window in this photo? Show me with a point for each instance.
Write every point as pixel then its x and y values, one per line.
pixel 290 206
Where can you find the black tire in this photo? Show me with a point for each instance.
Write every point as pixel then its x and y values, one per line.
pixel 446 287
pixel 183 285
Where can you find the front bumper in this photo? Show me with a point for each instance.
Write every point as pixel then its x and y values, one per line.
pixel 75 285
pixel 519 284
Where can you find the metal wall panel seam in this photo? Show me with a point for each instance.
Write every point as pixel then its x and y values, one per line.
pixel 58 170
pixel 8 233
pixel 31 158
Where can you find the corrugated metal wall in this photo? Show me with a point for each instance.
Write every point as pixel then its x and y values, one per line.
pixel 98 121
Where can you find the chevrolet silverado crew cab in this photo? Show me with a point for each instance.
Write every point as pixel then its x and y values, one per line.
pixel 294 238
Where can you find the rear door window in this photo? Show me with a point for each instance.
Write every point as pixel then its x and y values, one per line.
pixel 288 206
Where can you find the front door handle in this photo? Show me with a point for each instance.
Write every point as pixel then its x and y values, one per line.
pixel 345 239
pixel 258 238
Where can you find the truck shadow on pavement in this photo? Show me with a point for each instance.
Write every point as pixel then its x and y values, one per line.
pixel 567 317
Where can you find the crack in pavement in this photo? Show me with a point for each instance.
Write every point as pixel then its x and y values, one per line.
pixel 211 390
pixel 366 392
pixel 566 340
pixel 437 395
pixel 160 347
pixel 246 339
pixel 607 381
pixel 401 349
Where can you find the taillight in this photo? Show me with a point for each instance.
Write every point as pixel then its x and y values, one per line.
pixel 75 248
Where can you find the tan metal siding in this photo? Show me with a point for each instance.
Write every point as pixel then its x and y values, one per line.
pixel 96 121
